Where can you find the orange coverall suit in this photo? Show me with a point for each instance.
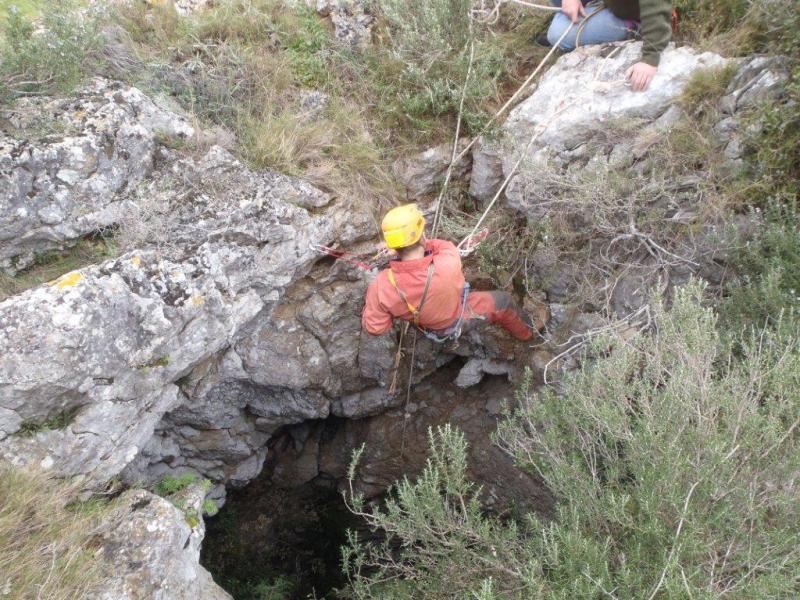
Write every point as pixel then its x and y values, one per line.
pixel 443 302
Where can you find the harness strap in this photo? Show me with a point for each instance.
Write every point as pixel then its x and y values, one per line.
pixel 414 310
pixel 454 331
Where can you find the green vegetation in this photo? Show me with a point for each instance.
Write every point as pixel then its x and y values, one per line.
pixel 301 103
pixel 673 462
pixel 56 422
pixel 47 547
pixel 29 9
pixel 53 58
pixel 170 488
pixel 740 27
pixel 54 264
pixel 767 291
pixel 158 363
pixel 171 484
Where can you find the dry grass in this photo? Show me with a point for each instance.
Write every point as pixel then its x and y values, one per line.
pixel 46 548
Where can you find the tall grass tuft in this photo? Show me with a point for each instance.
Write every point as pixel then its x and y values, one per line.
pixel 46 539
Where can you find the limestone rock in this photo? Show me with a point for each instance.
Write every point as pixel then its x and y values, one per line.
pixel 472 373
pixel 352 19
pixel 422 174
pixel 583 95
pixel 151 549
pixel 63 163
pixel 365 404
pixel 90 361
pixel 487 171
pixel 757 80
pixel 352 23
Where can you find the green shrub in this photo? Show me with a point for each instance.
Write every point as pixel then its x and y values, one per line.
pixel 768 266
pixel 431 40
pixel 57 421
pixel 674 463
pixel 171 484
pixel 52 57
pixel 740 27
pixel 52 265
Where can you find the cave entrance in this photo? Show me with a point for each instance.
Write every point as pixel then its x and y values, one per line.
pixel 280 536
pixel 270 543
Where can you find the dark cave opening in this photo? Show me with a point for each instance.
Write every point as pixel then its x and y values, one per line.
pixel 279 543
pixel 280 536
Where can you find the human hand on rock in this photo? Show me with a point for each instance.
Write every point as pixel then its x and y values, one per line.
pixel 573 9
pixel 640 75
pixel 369 276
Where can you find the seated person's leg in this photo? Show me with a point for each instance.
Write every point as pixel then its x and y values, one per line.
pixel 595 29
pixel 604 27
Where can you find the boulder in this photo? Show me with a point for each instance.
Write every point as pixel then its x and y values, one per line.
pixel 577 99
pixel 151 549
pixel 423 173
pixel 64 163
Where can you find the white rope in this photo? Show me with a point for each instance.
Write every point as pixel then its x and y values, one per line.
pixel 516 95
pixel 439 204
pixel 541 128
pixel 537 6
pixel 493 15
pixel 530 143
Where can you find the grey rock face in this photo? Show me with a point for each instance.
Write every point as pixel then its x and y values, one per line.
pixel 759 79
pixel 422 174
pixel 579 98
pixel 90 361
pixel 151 550
pixel 487 171
pixel 290 367
pixel 63 163
pixel 351 19
pixel 584 139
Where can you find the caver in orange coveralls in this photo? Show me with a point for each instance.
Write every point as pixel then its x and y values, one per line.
pixel 442 305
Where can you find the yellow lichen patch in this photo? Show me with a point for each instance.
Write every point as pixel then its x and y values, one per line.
pixel 136 261
pixel 197 300
pixel 69 280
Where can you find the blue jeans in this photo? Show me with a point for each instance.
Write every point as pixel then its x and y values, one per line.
pixel 599 29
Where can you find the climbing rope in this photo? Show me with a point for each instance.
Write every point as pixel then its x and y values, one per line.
pixel 464 245
pixel 585 22
pixel 365 261
pixel 439 204
pixel 471 241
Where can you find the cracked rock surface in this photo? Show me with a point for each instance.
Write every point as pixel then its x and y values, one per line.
pixel 64 162
pixel 150 548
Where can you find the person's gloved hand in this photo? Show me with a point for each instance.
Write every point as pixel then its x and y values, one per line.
pixel 369 276
pixel 640 75
pixel 573 9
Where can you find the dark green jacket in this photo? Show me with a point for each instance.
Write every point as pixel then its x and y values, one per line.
pixel 656 19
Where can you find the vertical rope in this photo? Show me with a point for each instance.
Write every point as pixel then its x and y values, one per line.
pixel 408 395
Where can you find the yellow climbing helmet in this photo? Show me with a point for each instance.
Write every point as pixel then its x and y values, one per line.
pixel 403 226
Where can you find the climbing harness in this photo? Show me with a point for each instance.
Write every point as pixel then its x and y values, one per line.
pixel 414 310
pixel 454 331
